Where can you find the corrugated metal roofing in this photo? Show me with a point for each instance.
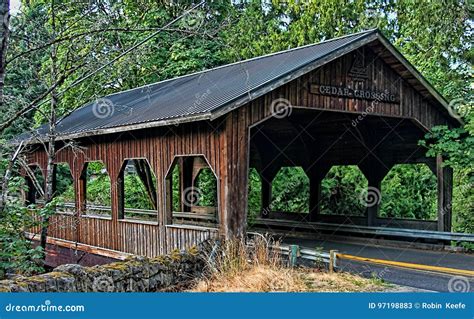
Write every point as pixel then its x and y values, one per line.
pixel 190 96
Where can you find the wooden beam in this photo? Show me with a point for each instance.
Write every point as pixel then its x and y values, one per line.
pixel 83 247
pixel 267 177
pixel 374 171
pixel 146 177
pixel 316 174
pixel 445 191
pixel 186 171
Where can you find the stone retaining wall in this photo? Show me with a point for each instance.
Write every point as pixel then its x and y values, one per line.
pixel 138 274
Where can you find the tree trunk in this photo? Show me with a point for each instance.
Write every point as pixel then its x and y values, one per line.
pixel 49 187
pixel 50 171
pixel 6 177
pixel 4 37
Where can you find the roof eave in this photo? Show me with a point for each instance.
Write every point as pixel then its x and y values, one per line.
pixel 418 76
pixel 127 128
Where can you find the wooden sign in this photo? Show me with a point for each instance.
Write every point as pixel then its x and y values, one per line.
pixel 340 91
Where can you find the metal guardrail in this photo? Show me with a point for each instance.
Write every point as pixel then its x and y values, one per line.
pixel 294 252
pixel 370 230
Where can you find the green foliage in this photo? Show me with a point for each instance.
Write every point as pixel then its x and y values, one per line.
pixel 176 186
pixel 17 254
pixel 205 188
pixel 341 191
pixel 409 191
pixel 135 193
pixel 463 201
pixel 254 195
pixel 436 36
pixel 290 191
pixel 64 183
pixel 456 146
pixel 206 182
pixel 22 83
pixel 98 184
pixel 38 173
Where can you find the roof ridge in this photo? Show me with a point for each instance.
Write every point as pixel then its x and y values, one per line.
pixel 242 61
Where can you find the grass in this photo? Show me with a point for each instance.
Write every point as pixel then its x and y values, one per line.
pixel 238 268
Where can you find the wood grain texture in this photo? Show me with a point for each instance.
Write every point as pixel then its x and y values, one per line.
pixel 225 144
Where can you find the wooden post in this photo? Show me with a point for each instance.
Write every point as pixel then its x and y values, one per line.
pixel 445 191
pixel 186 183
pixel 233 176
pixel 168 199
pixel 267 177
pixel 121 194
pixel 374 171
pixel 332 260
pixel 55 178
pixel 81 190
pixel 316 175
pixel 266 197
pixel 373 208
pixel 80 187
pixel 31 194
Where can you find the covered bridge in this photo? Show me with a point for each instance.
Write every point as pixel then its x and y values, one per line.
pixel 353 100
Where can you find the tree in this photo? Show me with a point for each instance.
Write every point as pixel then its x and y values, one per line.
pixel 456 146
pixel 5 36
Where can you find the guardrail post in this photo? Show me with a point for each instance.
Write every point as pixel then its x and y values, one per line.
pixel 293 254
pixel 332 260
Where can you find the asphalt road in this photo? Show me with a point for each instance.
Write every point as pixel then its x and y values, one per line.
pixel 425 280
pixel 411 278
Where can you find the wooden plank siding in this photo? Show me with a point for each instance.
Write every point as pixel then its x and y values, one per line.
pixel 225 145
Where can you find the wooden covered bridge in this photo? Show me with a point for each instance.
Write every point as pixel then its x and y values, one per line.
pixel 353 100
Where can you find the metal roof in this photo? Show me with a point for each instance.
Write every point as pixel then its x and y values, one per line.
pixel 202 95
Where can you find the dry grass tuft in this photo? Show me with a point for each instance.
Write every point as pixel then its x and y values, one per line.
pixel 238 268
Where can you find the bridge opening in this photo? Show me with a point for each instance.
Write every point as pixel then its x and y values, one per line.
pixel 34 184
pixel 409 192
pixel 341 191
pixel 63 184
pixel 191 192
pixel 97 187
pixel 137 191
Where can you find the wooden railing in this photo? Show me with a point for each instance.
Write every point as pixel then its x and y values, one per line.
pixel 99 210
pixel 133 236
pixel 199 215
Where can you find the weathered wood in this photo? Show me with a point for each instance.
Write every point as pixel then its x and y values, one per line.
pixel 375 171
pixel 321 131
pixel 315 174
pixel 146 177
pixel 266 177
pixel 445 192
pixel 186 178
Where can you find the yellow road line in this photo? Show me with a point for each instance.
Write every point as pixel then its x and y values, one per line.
pixel 409 265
